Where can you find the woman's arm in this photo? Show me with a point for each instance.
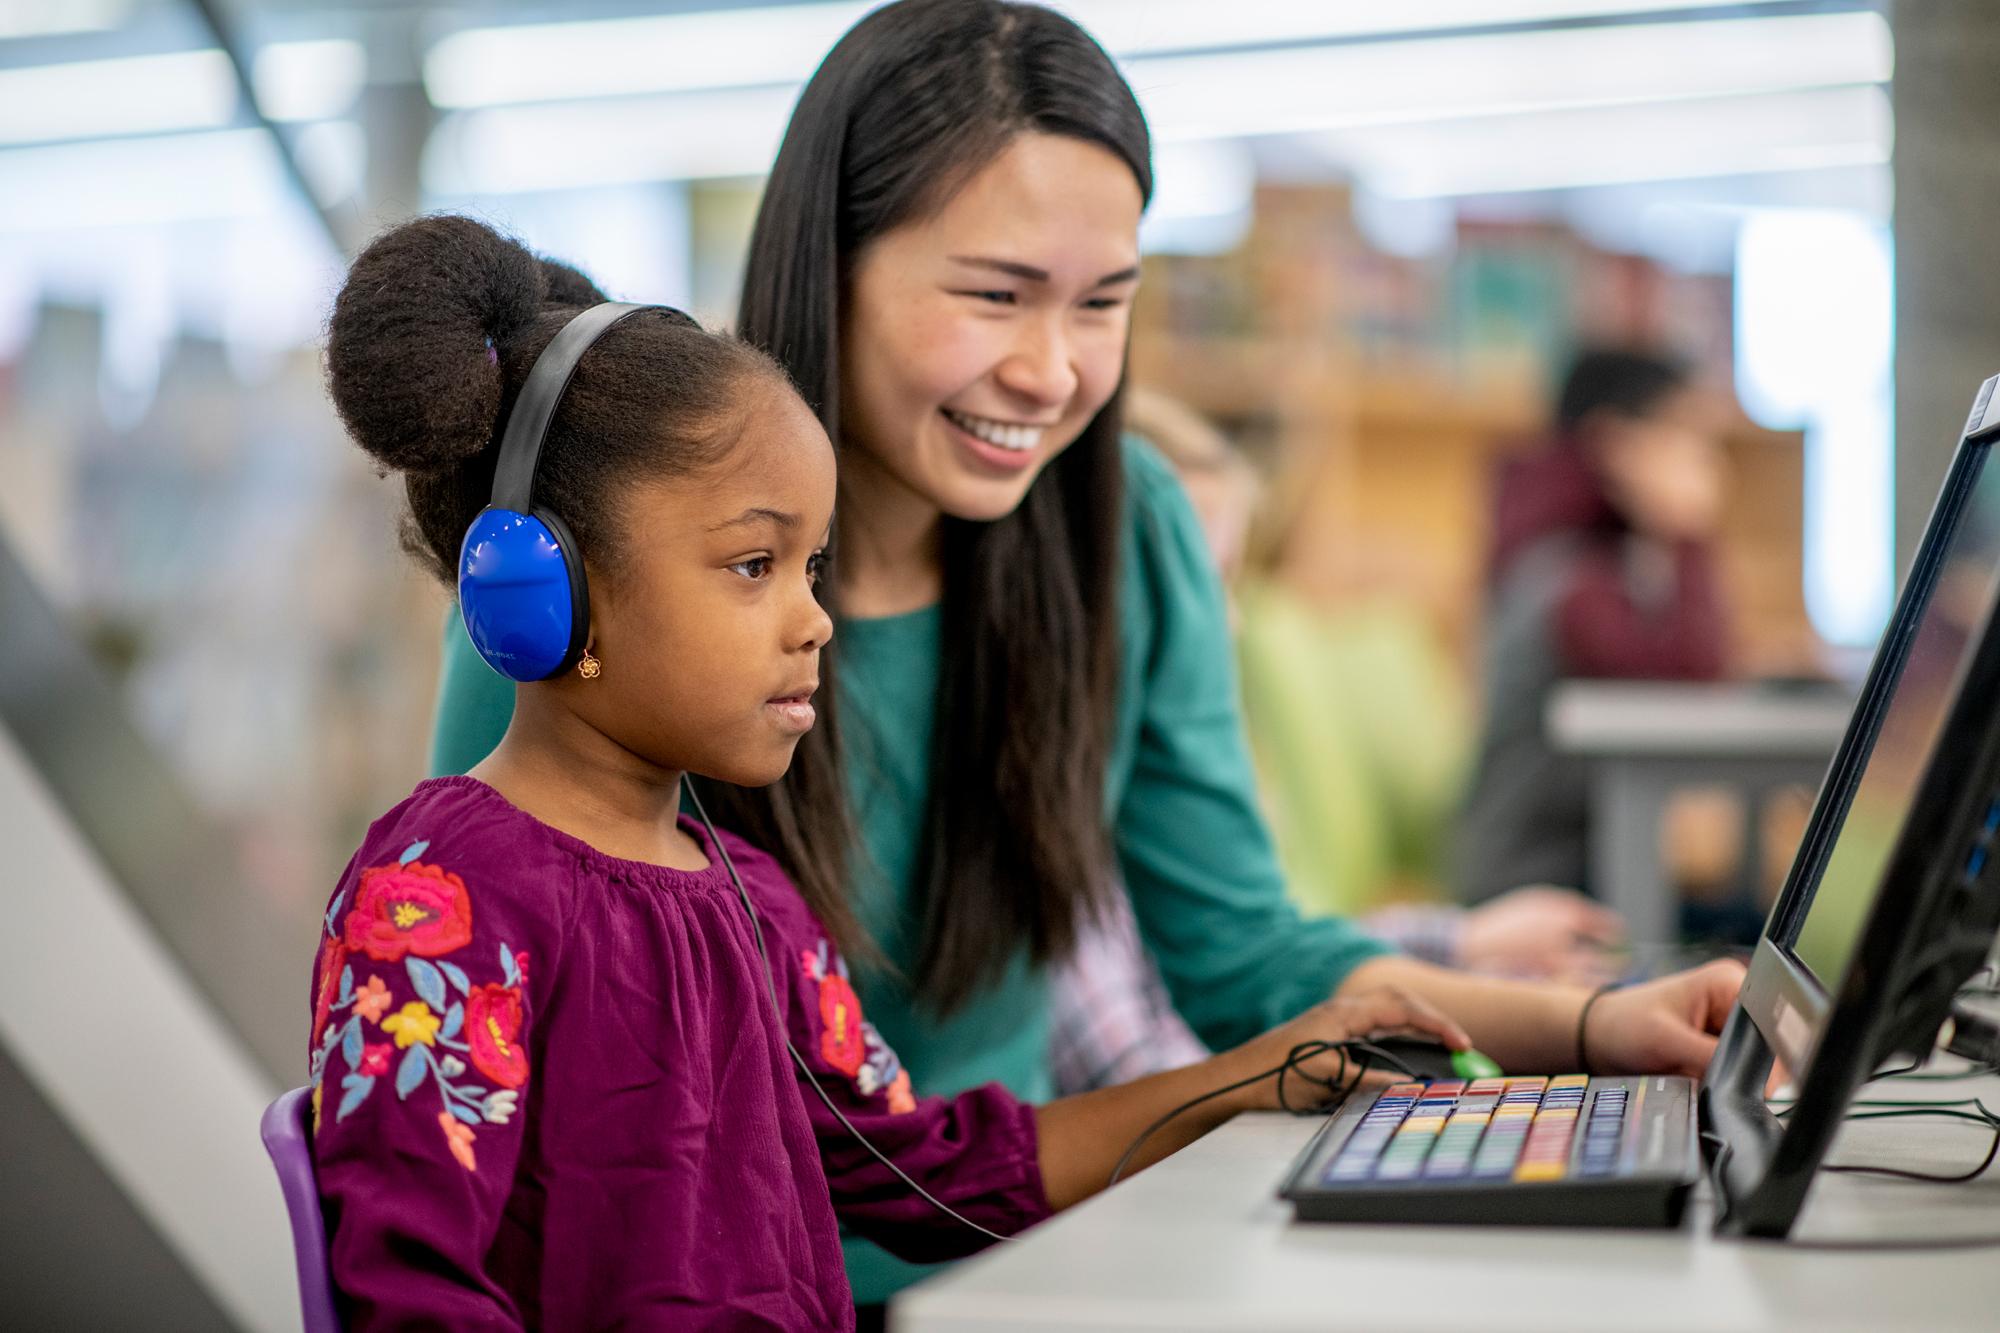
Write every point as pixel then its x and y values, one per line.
pixel 1663 1026
pixel 1081 1139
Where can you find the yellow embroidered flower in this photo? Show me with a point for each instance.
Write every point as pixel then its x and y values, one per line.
pixel 413 1023
pixel 317 1089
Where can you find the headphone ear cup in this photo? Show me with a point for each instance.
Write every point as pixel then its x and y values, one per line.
pixel 579 588
pixel 521 593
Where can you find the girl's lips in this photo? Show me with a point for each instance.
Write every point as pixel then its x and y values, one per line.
pixel 992 456
pixel 794 712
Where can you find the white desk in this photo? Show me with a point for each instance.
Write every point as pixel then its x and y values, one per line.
pixel 1644 741
pixel 1200 1243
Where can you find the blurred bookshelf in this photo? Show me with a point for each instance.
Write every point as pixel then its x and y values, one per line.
pixel 1377 394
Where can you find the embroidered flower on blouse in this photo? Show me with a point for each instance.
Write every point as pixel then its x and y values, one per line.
pixel 849 1042
pixel 416 913
pixel 332 957
pixel 409 907
pixel 413 1023
pixel 492 1022
pixel 840 1014
pixel 460 1138
pixel 373 1000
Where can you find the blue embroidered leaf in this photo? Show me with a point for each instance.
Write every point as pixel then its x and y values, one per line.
pixel 357 1087
pixel 454 1019
pixel 346 984
pixel 413 851
pixel 428 981
pixel 414 1066
pixel 471 1092
pixel 456 975
pixel 507 967
pixel 469 1117
pixel 334 911
pixel 350 1045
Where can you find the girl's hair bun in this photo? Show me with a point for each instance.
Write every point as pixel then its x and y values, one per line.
pixel 419 333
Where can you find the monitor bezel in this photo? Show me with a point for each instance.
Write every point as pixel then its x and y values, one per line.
pixel 1838 1034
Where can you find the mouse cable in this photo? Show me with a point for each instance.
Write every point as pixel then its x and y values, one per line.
pixel 1305 1050
pixel 757 933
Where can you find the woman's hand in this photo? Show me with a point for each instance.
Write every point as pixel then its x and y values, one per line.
pixel 1541 932
pixel 1374 1012
pixel 1667 1026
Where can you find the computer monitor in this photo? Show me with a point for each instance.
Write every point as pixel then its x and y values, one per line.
pixel 1892 900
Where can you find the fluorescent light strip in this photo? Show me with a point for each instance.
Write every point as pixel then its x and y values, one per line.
pixel 122 182
pixel 184 90
pixel 1304 89
pixel 537 62
pixel 1619 145
pixel 49 18
pixel 1142 27
pixel 310 80
pixel 677 136
pixel 176 91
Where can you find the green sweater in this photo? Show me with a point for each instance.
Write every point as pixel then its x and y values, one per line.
pixel 1193 849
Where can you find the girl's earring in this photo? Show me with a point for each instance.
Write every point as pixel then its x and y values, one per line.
pixel 589 667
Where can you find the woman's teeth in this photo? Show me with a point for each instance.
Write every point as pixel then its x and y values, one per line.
pixel 1018 438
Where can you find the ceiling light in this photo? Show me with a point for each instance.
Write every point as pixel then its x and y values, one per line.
pixel 716 48
pixel 182 90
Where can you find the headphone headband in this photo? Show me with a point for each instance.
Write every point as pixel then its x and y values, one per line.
pixel 535 408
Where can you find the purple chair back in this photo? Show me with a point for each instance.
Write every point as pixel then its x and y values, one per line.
pixel 289 1142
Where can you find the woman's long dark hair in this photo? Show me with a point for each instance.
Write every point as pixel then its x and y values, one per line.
pixel 913 101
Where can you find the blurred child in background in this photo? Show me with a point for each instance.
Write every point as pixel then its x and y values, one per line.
pixel 1602 568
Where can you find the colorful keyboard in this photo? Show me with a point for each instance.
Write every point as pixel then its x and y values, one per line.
pixel 1564 1151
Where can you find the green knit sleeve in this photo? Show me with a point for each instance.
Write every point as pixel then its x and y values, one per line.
pixel 474 704
pixel 1197 858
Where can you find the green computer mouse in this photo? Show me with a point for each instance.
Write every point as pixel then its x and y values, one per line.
pixel 1428 1058
pixel 1470 1064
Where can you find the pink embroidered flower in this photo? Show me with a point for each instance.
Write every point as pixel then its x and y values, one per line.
pixel 372 1000
pixel 521 966
pixel 900 1097
pixel 332 957
pixel 840 1012
pixel 409 908
pixel 492 1030
pixel 459 1136
pixel 375 1058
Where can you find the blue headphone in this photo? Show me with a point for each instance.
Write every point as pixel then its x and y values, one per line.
pixel 520 577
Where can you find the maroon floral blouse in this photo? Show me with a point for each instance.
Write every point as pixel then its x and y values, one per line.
pixel 549 1091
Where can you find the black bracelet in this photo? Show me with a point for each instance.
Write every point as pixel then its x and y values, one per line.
pixel 1583 1017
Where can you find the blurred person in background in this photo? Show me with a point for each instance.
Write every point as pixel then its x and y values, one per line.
pixel 1602 568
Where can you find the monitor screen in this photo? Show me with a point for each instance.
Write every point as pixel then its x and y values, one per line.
pixel 1823 938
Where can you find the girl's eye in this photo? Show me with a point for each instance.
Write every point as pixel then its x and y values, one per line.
pixel 756 568
pixel 816 566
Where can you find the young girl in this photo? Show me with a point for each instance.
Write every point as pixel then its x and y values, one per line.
pixel 550 1086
